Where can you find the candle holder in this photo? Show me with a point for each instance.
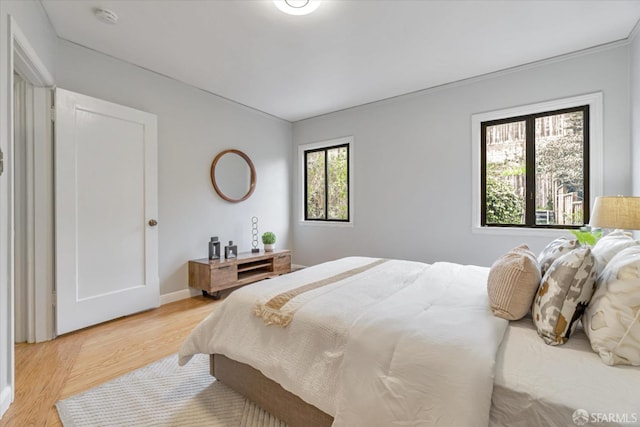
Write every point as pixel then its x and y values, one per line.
pixel 231 251
pixel 214 248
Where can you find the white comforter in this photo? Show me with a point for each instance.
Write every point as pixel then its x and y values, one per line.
pixel 403 343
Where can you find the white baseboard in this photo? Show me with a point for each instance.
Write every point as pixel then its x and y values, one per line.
pixel 5 400
pixel 178 295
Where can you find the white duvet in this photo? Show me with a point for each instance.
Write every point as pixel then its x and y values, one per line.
pixel 403 343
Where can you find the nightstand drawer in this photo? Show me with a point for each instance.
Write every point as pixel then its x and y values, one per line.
pixel 282 264
pixel 223 275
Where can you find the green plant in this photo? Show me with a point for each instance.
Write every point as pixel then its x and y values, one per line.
pixel 503 205
pixel 587 236
pixel 268 238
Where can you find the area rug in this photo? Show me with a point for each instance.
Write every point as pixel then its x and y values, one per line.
pixel 164 394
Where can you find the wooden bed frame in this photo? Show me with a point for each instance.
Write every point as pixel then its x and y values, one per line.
pixel 267 393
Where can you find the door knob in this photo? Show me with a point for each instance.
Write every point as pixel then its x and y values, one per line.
pixel 153 222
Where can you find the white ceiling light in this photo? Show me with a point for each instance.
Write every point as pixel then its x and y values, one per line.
pixel 107 16
pixel 297 7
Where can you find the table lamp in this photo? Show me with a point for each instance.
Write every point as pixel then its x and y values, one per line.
pixel 617 212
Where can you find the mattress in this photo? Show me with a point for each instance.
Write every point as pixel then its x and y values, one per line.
pixel 540 385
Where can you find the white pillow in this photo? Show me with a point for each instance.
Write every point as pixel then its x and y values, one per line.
pixel 608 246
pixel 612 319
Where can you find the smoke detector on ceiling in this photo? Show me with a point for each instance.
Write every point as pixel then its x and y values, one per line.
pixel 107 16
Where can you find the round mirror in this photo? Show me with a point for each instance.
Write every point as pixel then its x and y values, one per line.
pixel 233 176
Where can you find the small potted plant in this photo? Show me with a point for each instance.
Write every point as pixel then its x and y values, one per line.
pixel 269 241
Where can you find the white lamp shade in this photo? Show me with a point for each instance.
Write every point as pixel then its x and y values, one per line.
pixel 619 212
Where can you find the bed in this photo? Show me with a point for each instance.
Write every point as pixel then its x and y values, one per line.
pixel 363 341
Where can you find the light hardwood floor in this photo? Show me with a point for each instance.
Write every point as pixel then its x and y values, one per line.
pixel 75 362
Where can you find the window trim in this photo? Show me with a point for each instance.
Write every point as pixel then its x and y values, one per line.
pixel 316 146
pixel 595 186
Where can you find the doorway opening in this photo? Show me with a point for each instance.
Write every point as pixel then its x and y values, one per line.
pixel 24 62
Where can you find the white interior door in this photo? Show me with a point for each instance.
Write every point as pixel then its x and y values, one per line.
pixel 106 208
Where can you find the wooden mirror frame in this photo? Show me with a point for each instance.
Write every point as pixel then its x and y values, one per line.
pixel 246 158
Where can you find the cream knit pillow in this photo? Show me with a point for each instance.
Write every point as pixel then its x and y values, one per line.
pixel 512 283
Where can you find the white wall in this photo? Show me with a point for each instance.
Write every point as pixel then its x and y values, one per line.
pixel 413 160
pixel 635 108
pixel 33 22
pixel 193 126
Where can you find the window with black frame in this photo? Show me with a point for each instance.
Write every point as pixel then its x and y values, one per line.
pixel 326 183
pixel 535 170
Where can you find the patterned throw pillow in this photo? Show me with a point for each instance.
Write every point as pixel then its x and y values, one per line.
pixel 563 295
pixel 610 245
pixel 512 283
pixel 555 250
pixel 612 320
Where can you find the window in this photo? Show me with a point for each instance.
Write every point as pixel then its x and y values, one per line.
pixel 593 170
pixel 327 177
pixel 535 170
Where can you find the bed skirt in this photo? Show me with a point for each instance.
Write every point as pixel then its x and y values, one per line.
pixel 267 394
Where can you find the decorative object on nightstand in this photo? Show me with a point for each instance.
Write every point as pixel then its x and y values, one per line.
pixel 254 235
pixel 230 251
pixel 214 248
pixel 616 212
pixel 269 241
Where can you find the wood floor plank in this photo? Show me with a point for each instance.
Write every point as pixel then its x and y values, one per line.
pixel 76 362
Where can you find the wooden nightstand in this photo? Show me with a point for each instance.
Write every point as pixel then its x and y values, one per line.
pixel 213 276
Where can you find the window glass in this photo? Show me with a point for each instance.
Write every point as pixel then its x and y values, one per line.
pixel 315 184
pixel 506 173
pixel 559 158
pixel 338 183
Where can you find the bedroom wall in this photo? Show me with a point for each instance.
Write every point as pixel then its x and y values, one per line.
pixel 193 126
pixel 635 108
pixel 413 160
pixel 34 23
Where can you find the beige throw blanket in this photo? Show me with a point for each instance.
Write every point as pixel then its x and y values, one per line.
pixel 279 309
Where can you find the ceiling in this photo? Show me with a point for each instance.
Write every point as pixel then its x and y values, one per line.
pixel 346 53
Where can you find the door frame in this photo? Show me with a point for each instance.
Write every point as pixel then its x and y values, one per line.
pixel 33 196
pixel 21 57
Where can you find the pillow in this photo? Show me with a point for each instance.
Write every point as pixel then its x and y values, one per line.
pixel 512 283
pixel 612 320
pixel 608 246
pixel 555 250
pixel 564 292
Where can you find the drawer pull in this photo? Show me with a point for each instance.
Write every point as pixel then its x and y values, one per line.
pixel 222 268
pixel 281 256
